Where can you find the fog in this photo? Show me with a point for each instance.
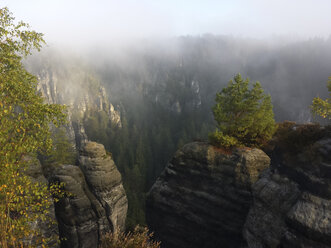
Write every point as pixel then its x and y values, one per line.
pixel 160 64
pixel 132 44
pixel 84 23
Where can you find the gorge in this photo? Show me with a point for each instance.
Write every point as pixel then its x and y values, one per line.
pixel 205 196
pixel 165 124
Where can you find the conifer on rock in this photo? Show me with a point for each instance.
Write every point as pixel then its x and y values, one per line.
pixel 244 116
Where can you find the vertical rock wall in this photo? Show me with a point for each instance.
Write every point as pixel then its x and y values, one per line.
pixel 203 196
pixel 292 201
pixel 97 202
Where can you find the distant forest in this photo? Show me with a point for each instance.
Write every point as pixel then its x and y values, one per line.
pixel 164 92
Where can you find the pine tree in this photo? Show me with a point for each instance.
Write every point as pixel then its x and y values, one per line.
pixel 244 116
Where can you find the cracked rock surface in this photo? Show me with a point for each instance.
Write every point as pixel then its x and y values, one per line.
pixel 292 201
pixel 203 196
pixel 97 202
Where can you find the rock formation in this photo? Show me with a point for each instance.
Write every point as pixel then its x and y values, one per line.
pixel 69 82
pixel 105 182
pixel 97 202
pixel 203 196
pixel 292 201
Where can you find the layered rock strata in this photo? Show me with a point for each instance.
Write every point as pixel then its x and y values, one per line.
pixel 96 202
pixel 203 196
pixel 105 182
pixel 292 201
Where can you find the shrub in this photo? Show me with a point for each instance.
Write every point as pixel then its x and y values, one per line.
pixel 295 138
pixel 323 107
pixel 139 238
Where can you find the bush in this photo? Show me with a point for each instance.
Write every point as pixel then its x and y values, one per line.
pixel 294 138
pixel 323 107
pixel 139 238
pixel 244 116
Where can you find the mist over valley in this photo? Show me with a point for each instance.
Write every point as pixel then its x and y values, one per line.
pixel 141 83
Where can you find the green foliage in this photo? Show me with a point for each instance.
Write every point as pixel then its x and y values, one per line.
pixel 323 107
pixel 62 151
pixel 24 130
pixel 141 148
pixel 244 116
pixel 139 238
pixel 220 139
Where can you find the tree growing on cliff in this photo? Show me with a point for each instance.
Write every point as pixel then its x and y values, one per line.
pixel 244 116
pixel 323 107
pixel 24 130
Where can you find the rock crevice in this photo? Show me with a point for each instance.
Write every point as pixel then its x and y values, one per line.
pixel 292 201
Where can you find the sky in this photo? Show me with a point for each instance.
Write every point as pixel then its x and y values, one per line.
pixel 102 21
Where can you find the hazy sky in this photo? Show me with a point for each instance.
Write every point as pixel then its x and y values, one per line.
pixel 87 21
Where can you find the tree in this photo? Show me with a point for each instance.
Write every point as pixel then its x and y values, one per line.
pixel 63 151
pixel 24 130
pixel 244 116
pixel 323 107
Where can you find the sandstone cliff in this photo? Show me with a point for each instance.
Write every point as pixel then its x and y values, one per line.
pixel 292 201
pixel 97 202
pixel 70 82
pixel 203 196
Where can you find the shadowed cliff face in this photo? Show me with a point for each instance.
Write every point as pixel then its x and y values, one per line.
pixel 203 196
pixel 292 201
pixel 97 203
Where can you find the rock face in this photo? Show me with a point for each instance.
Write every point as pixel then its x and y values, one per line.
pixel 97 202
pixel 203 196
pixel 160 94
pixel 292 201
pixel 105 182
pixel 69 82
pixel 77 89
